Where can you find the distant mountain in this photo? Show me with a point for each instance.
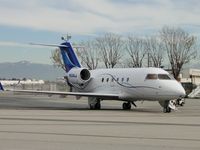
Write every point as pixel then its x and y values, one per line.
pixel 25 69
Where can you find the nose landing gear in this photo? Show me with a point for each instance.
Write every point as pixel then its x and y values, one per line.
pixel 168 105
pixel 167 109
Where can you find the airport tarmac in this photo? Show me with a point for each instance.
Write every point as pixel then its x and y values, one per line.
pixel 43 123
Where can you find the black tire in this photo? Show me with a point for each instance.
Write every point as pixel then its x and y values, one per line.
pixel 126 106
pixel 92 107
pixel 98 106
pixel 166 109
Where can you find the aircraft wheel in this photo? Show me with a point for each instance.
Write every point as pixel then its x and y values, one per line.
pixel 167 109
pixel 92 107
pixel 126 105
pixel 98 105
pixel 94 104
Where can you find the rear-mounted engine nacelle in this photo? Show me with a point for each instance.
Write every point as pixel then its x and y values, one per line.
pixel 78 76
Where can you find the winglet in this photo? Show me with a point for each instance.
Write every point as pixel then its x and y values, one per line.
pixel 1 87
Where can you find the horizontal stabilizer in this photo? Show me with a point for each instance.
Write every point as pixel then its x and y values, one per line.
pixel 50 45
pixel 56 45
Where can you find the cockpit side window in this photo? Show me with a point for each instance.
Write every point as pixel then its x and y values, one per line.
pixel 151 77
pixel 171 77
pixel 164 77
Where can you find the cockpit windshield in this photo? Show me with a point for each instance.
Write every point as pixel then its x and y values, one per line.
pixel 164 77
pixel 158 76
pixel 151 77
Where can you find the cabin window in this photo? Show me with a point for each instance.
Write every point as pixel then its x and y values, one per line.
pixel 112 79
pixel 127 79
pixel 117 79
pixel 107 79
pixel 164 77
pixel 122 79
pixel 151 77
pixel 102 79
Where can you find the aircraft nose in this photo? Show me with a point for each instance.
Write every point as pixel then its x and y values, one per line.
pixel 181 91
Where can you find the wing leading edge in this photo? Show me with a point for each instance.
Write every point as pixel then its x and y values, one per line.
pixel 84 94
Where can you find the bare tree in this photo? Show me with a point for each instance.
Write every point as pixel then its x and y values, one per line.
pixel 56 59
pixel 180 47
pixel 110 46
pixel 89 54
pixel 155 51
pixel 136 50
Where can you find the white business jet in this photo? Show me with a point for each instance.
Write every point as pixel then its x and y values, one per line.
pixel 123 84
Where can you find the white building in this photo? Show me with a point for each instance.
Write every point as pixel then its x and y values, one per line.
pixel 190 76
pixel 22 82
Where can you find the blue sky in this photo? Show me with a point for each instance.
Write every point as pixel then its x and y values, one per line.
pixel 24 21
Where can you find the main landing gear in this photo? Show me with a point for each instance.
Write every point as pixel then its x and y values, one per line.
pixel 94 103
pixel 127 105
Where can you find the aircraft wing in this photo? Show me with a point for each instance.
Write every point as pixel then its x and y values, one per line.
pixel 85 94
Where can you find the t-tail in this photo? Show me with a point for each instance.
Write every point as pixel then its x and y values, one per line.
pixel 76 75
pixel 69 57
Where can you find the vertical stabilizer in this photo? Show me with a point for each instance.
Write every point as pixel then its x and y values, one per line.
pixel 69 57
